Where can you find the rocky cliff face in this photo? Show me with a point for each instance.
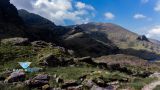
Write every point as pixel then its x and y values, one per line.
pixel 8 13
pixel 10 23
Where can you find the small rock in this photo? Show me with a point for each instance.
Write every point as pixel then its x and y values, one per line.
pixel 88 83
pixel 59 80
pixel 71 52
pixel 46 87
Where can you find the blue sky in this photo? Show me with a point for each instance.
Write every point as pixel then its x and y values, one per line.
pixel 140 16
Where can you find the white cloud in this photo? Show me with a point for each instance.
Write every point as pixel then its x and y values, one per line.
pixel 139 16
pixel 109 15
pixel 154 32
pixel 81 5
pixel 144 1
pixel 58 11
pixel 157 7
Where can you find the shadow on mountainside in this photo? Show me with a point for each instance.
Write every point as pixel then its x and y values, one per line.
pixel 144 54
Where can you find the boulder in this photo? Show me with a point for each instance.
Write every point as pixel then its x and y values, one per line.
pixel 95 87
pixel 15 77
pixel 44 77
pixel 36 83
pixel 87 60
pixel 53 61
pixel 50 60
pixel 15 41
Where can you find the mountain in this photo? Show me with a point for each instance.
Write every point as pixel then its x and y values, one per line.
pixel 70 37
pixel 92 39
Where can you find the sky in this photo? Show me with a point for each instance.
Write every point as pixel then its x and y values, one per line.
pixel 139 16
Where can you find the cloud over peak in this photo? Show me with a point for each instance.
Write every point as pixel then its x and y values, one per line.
pixel 154 32
pixel 81 5
pixel 58 11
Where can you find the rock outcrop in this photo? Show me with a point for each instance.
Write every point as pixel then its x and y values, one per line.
pixel 16 41
pixel 143 38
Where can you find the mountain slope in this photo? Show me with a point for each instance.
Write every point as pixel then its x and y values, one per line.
pixel 85 45
pixel 34 20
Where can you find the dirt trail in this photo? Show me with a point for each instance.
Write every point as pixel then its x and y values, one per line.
pixel 153 85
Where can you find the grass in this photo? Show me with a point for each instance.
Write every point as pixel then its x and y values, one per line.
pixel 70 73
pixel 137 83
pixel 10 55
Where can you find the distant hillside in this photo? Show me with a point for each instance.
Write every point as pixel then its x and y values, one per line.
pixel 120 36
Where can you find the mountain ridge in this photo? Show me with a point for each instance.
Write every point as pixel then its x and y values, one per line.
pixel 107 34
